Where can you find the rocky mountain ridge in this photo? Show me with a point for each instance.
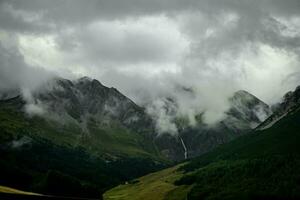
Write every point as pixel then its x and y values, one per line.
pixel 289 104
pixel 92 107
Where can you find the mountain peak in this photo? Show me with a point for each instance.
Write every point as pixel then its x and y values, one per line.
pixel 247 108
pixel 246 98
pixel 243 93
pixel 85 79
pixel 86 100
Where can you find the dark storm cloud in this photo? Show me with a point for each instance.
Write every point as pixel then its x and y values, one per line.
pixel 147 48
pixel 77 11
pixel 14 72
pixel 20 20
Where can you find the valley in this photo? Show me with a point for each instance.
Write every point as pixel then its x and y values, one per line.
pixel 262 165
pixel 94 138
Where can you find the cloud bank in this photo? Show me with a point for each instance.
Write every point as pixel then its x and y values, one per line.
pixel 151 49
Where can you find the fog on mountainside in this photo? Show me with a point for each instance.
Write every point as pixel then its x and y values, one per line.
pixel 95 95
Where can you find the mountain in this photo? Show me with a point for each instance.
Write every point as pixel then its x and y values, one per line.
pixel 89 110
pixel 87 99
pixel 81 138
pixel 86 113
pixel 262 165
pixel 74 138
pixel 246 112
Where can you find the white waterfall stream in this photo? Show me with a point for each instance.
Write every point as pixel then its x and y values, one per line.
pixel 184 147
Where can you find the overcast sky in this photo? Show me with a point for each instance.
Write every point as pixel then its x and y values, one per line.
pixel 149 48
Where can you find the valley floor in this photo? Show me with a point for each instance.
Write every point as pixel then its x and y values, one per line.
pixel 158 186
pixel 4 189
pixel 8 193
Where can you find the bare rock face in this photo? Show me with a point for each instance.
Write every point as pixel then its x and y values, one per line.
pixel 87 99
pixel 246 112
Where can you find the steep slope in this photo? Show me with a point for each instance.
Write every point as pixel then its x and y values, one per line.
pixel 246 112
pixel 262 165
pixel 86 113
pixel 86 98
pixel 92 106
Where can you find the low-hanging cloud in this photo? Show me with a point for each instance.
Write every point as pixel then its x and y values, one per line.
pixel 15 73
pixel 18 78
pixel 150 50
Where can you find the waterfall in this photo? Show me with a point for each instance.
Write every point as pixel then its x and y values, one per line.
pixel 184 147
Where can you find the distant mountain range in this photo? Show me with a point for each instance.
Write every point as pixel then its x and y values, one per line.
pixel 90 106
pixel 113 136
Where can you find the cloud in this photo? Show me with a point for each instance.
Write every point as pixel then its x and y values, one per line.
pixel 149 49
pixel 34 109
pixel 159 110
pixel 21 142
pixel 14 71
pixel 144 40
pixel 33 106
pixel 17 77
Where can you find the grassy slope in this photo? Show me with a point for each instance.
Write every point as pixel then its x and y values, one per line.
pixel 5 189
pixel 263 165
pixel 156 186
pixel 115 139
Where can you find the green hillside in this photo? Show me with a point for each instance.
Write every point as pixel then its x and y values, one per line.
pixel 152 186
pixel 113 139
pixel 261 165
pixel 46 157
